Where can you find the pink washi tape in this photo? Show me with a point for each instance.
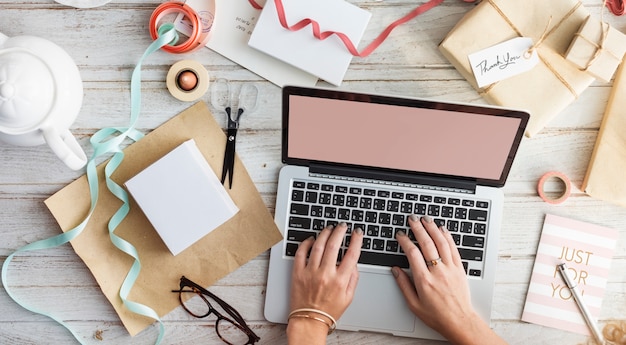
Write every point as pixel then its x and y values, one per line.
pixel 560 176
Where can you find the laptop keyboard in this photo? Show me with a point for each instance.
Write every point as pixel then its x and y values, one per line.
pixel 380 212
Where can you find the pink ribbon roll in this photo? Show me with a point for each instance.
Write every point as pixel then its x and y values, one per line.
pixel 201 24
pixel 560 176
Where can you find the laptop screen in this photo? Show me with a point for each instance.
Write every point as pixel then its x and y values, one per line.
pixel 398 134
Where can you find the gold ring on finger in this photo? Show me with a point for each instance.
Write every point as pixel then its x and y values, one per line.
pixel 433 262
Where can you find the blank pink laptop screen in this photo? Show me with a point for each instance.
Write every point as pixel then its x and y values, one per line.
pixel 405 138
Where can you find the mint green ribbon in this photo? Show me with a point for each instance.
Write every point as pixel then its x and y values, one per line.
pixel 106 141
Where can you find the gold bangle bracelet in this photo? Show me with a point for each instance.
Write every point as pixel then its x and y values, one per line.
pixel 304 313
pixel 307 316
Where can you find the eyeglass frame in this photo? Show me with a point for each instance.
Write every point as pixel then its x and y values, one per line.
pixel 237 320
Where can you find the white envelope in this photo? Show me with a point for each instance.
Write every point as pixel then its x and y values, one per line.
pixel 328 59
pixel 233 24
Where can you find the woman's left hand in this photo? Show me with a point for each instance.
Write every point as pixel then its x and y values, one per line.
pixel 320 283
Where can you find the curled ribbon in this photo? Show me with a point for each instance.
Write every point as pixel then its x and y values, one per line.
pixel 322 35
pixel 105 141
pixel 616 6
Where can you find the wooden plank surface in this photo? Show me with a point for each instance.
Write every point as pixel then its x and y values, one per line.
pixel 106 43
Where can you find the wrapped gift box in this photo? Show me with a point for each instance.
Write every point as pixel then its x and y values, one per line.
pixel 597 48
pixel 553 83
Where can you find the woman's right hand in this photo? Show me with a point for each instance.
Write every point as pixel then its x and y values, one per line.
pixel 438 292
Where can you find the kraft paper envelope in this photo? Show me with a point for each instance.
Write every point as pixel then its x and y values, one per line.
pixel 605 175
pixel 247 234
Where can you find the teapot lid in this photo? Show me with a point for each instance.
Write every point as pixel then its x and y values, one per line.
pixel 26 89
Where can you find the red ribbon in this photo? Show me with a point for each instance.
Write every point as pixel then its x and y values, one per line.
pixel 322 35
pixel 616 6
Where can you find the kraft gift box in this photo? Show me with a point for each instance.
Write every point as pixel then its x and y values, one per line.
pixel 548 87
pixel 182 197
pixel 597 48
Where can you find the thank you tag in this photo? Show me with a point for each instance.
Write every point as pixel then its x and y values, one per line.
pixel 503 60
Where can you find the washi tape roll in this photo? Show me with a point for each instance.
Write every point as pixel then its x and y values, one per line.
pixel 187 80
pixel 559 176
pixel 200 22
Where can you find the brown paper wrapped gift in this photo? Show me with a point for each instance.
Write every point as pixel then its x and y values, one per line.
pixel 606 177
pixel 597 48
pixel 553 83
pixel 247 234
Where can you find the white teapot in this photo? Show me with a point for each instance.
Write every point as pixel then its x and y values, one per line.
pixel 41 93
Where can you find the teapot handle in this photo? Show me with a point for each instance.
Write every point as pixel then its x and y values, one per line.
pixel 65 146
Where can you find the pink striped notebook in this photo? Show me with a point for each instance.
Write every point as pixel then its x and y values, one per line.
pixel 587 249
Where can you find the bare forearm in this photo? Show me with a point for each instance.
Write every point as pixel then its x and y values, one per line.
pixel 306 332
pixel 476 333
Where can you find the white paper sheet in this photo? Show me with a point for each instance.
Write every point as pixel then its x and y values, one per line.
pixel 328 59
pixel 233 25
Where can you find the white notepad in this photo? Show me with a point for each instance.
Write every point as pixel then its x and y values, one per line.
pixel 328 59
pixel 182 197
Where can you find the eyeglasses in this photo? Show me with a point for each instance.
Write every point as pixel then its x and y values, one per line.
pixel 232 331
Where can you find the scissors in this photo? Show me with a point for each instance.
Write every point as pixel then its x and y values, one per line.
pixel 222 97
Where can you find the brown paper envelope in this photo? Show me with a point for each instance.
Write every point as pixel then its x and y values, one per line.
pixel 541 91
pixel 250 232
pixel 605 178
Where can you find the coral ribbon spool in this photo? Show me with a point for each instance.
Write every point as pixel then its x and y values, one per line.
pixel 201 24
pixel 560 176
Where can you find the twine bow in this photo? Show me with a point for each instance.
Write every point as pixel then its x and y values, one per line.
pixel 543 37
pixel 605 27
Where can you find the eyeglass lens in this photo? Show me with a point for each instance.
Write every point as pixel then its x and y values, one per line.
pixel 229 325
pixel 231 332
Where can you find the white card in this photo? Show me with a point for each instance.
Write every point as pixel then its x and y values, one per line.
pixel 328 59
pixel 182 197
pixel 233 25
pixel 503 60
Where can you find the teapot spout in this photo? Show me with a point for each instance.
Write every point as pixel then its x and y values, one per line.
pixel 3 38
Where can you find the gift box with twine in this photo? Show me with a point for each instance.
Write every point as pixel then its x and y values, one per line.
pixel 553 83
pixel 597 48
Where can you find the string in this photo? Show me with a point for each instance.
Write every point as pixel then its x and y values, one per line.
pixel 544 36
pixel 322 35
pixel 105 141
pixel 604 27
pixel 530 50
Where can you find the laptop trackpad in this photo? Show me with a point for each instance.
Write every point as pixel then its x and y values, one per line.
pixel 378 304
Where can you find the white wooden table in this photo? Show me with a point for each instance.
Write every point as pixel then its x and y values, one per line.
pixel 106 42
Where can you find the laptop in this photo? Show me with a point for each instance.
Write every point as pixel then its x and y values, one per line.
pixel 371 161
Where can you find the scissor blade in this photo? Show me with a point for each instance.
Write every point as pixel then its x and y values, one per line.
pixel 229 157
pixel 225 164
